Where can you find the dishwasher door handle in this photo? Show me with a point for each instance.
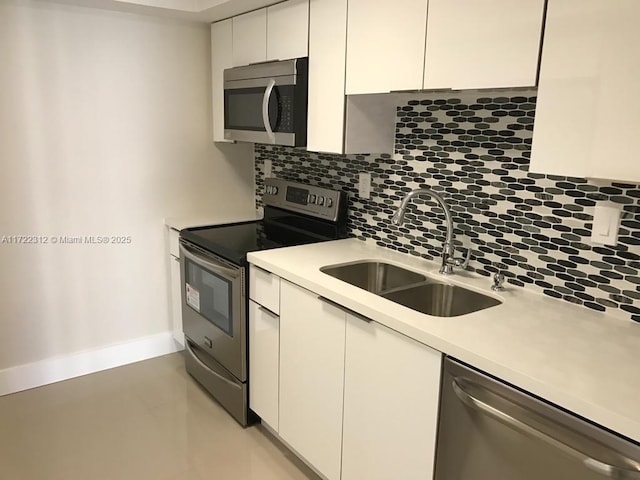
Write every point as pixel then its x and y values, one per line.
pixel 620 472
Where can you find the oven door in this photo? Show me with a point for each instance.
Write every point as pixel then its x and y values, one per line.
pixel 213 307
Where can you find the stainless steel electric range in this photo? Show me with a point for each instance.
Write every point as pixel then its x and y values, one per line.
pixel 214 274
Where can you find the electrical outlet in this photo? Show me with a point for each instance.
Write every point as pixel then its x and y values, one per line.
pixel 268 167
pixel 364 185
pixel 606 221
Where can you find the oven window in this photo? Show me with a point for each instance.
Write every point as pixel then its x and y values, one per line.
pixel 209 295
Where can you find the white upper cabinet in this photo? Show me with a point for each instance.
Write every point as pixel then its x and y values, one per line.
pixel 250 38
pixel 482 43
pixel 586 121
pixel 327 54
pixel 288 30
pixel 385 45
pixel 336 123
pixel 221 58
pixel 278 32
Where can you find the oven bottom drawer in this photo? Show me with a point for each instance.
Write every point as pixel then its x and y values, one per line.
pixel 222 385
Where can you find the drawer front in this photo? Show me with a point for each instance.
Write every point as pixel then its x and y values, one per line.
pixel 264 288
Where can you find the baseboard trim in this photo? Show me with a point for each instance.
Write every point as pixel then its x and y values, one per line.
pixel 51 370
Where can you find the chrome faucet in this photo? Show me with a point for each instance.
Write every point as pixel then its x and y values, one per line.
pixel 448 259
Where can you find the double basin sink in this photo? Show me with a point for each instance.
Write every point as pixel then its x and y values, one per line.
pixel 411 289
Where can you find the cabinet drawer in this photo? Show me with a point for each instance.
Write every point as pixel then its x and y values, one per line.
pixel 174 245
pixel 264 288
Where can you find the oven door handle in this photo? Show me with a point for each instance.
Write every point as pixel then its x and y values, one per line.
pixel 265 110
pixel 222 270
pixel 208 369
pixel 472 396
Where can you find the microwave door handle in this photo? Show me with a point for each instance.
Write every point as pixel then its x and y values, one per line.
pixel 265 110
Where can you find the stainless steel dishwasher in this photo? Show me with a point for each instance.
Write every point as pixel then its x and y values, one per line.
pixel 489 430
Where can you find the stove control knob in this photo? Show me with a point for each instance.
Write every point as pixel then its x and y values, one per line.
pixel 274 190
pixel 312 198
pixel 268 189
pixel 329 202
pixel 320 200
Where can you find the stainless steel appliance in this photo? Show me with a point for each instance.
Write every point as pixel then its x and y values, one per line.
pixel 490 430
pixel 267 102
pixel 214 274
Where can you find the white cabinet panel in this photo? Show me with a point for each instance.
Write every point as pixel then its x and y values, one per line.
pixel 176 299
pixel 264 351
pixel 250 37
pixel 391 397
pixel 264 288
pixel 288 30
pixel 312 336
pixel 385 45
pixel 586 120
pixel 483 44
pixel 221 58
pixel 174 242
pixel 327 54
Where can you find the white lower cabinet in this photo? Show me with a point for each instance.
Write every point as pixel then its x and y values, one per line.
pixel 175 285
pixel 312 336
pixel 391 396
pixel 264 363
pixel 356 399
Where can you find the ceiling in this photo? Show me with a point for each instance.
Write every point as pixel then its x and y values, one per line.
pixel 205 11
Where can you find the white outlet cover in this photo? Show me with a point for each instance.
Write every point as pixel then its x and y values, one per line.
pixel 364 185
pixel 606 221
pixel 268 167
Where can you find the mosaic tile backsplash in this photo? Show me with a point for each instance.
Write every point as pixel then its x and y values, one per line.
pixel 474 149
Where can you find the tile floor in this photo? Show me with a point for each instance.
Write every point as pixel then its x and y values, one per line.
pixel 145 421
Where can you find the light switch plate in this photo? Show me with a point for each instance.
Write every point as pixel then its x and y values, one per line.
pixel 606 221
pixel 364 185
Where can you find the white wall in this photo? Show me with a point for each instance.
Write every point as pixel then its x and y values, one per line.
pixel 104 130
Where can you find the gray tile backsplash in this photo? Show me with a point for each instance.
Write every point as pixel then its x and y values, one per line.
pixel 474 148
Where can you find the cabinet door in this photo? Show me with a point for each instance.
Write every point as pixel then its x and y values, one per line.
pixel 312 335
pixel 176 300
pixel 221 58
pixel 264 347
pixel 385 45
pixel 250 37
pixel 483 43
pixel 288 30
pixel 391 394
pixel 327 53
pixel 586 120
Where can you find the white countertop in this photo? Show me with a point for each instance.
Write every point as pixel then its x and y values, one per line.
pixel 585 361
pixel 201 219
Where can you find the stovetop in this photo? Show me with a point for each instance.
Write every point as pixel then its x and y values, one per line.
pixel 294 214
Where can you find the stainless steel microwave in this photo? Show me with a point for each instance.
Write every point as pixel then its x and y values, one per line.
pixel 267 102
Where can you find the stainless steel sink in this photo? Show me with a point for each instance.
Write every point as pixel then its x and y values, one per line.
pixel 441 299
pixel 411 289
pixel 375 277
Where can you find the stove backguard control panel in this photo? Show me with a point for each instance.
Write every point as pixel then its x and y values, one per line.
pixel 319 202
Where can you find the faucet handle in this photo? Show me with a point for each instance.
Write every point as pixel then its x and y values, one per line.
pixel 461 262
pixel 498 281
